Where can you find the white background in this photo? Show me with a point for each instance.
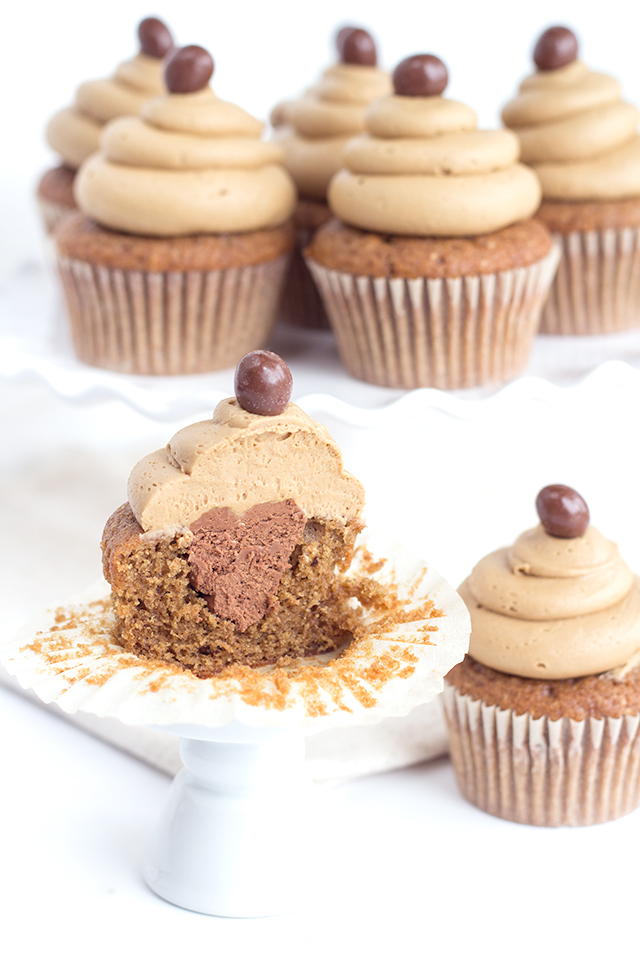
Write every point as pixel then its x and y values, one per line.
pixel 410 869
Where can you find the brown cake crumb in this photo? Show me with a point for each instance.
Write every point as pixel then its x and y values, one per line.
pixel 56 186
pixel 162 616
pixel 594 696
pixel 78 237
pixel 566 217
pixel 339 247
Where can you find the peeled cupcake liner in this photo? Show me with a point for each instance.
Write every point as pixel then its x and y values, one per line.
pixel 68 655
pixel 302 304
pixel 171 322
pixel 445 333
pixel 597 286
pixel 542 772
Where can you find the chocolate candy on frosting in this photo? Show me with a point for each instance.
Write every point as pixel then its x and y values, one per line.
pixel 155 38
pixel 263 383
pixel 562 511
pixel 356 46
pixel 556 48
pixel 188 70
pixel 422 75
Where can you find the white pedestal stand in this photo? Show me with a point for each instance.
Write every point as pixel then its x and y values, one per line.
pixel 231 840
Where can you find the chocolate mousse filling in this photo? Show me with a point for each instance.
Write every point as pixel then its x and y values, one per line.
pixel 160 614
pixel 236 562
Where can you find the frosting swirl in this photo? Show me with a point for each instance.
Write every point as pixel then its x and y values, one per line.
pixel 74 133
pixel 191 163
pixel 315 128
pixel 552 608
pixel 423 169
pixel 577 133
pixel 221 463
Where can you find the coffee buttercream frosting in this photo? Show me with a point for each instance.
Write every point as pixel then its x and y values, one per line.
pixel 423 169
pixel 74 133
pixel 553 608
pixel 239 459
pixel 314 129
pixel 577 133
pixel 190 164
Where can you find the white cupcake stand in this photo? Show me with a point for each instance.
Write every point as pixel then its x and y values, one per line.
pixel 234 838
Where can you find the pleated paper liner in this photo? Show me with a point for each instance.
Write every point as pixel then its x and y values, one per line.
pixel 445 333
pixel 302 304
pixel 396 662
pixel 547 773
pixel 597 287
pixel 172 322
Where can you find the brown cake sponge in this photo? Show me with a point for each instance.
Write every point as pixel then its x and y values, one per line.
pixel 80 238
pixel 593 696
pixel 162 616
pixel 349 250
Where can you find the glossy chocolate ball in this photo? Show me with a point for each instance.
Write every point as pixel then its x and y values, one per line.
pixel 188 70
pixel 556 48
pixel 422 75
pixel 263 383
pixel 155 39
pixel 562 511
pixel 356 46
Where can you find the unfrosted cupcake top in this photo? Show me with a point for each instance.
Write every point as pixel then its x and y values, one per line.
pixel 190 164
pixel 315 128
pixel 423 169
pixel 74 133
pixel 574 128
pixel 242 458
pixel 554 606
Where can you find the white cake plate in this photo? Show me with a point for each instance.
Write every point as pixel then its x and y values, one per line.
pixel 233 839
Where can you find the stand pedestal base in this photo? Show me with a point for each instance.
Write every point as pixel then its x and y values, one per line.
pixel 232 840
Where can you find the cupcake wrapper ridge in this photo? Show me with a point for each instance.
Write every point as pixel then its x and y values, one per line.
pixel 597 287
pixel 543 772
pixel 302 305
pixel 446 333
pixel 170 322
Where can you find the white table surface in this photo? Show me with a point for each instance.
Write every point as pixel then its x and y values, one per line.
pixel 409 868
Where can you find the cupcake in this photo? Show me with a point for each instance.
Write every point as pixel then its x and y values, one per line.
pixel 176 261
pixel 582 140
pixel 544 713
pixel 313 132
pixel 432 272
pixel 231 546
pixel 74 133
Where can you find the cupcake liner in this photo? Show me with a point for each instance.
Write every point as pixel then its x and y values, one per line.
pixel 68 655
pixel 446 333
pixel 53 213
pixel 301 304
pixel 173 322
pixel 597 286
pixel 547 773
